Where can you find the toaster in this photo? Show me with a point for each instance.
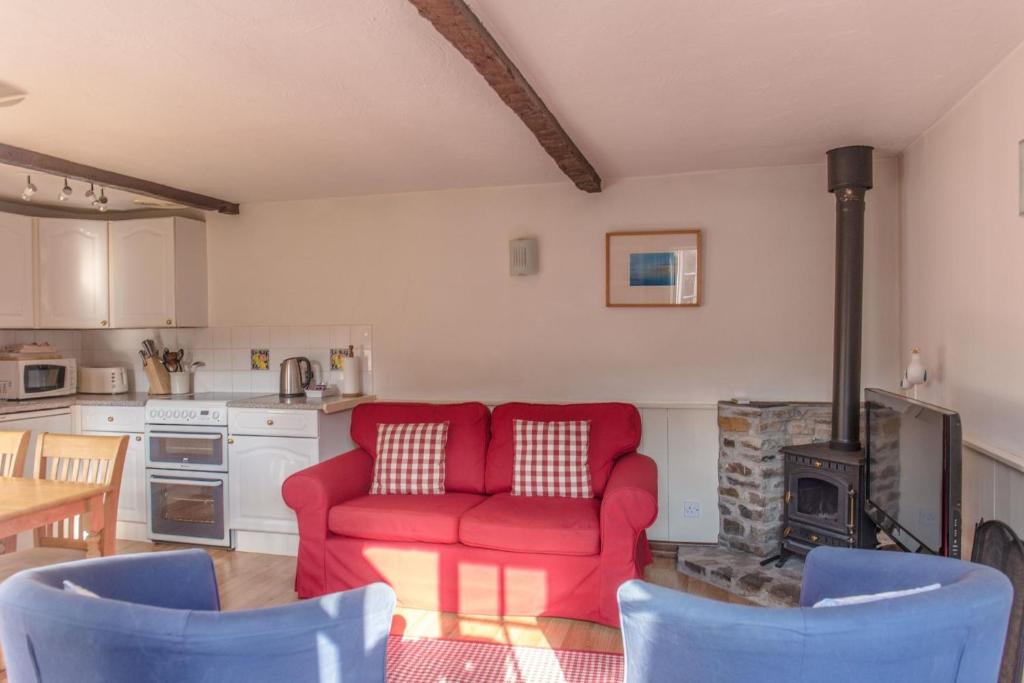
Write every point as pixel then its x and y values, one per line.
pixel 102 380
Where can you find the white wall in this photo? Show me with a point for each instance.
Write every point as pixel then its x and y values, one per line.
pixel 963 282
pixel 429 271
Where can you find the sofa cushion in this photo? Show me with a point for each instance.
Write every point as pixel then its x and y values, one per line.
pixel 558 526
pixel 410 458
pixel 428 519
pixel 614 432
pixel 468 433
pixel 551 459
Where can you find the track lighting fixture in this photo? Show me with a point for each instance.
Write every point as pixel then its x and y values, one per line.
pixel 65 192
pixel 90 194
pixel 101 201
pixel 29 190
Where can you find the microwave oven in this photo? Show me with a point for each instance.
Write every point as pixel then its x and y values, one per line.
pixel 23 379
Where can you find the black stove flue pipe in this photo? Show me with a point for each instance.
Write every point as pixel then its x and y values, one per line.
pixel 849 178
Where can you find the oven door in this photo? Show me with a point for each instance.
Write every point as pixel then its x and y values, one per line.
pixel 187 508
pixel 187 448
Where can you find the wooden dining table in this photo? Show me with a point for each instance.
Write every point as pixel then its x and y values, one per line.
pixel 27 503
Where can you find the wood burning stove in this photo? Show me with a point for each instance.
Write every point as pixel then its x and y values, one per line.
pixel 824 499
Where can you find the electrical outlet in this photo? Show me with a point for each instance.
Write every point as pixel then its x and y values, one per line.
pixel 691 508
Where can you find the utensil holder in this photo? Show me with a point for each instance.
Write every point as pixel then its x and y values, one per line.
pixel 159 378
pixel 181 382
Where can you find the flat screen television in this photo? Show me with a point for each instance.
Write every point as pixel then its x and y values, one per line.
pixel 913 472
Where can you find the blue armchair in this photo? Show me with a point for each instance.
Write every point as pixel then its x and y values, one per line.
pixel 952 634
pixel 159 619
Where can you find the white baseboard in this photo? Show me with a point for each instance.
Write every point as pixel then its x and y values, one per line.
pixel 132 531
pixel 266 542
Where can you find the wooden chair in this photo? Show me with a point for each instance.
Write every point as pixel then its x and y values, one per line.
pixel 87 460
pixel 13 447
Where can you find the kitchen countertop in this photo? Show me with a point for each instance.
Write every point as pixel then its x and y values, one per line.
pixel 57 402
pixel 331 404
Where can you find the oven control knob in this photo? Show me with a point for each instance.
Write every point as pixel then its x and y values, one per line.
pixel 216 415
pixel 192 414
pixel 177 413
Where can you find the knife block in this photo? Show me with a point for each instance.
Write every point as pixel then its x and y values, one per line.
pixel 159 378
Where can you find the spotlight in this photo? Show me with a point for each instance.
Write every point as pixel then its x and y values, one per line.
pixel 90 194
pixel 29 190
pixel 101 201
pixel 65 191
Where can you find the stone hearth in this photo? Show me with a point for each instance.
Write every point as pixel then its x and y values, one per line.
pixel 741 574
pixel 750 467
pixel 751 486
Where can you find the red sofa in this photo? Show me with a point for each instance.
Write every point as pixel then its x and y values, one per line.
pixel 477 549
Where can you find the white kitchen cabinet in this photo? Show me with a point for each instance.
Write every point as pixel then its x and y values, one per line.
pixel 72 273
pixel 158 273
pixel 131 502
pixel 258 465
pixel 17 309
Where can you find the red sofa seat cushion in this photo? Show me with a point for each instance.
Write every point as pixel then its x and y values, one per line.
pixel 614 432
pixel 428 519
pixel 468 433
pixel 557 526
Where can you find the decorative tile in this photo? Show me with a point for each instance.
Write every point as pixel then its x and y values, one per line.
pixel 338 358
pixel 259 359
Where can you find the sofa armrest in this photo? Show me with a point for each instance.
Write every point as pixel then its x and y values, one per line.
pixel 631 498
pixel 312 492
pixel 629 506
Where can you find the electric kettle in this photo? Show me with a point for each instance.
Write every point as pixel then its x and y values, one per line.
pixel 296 375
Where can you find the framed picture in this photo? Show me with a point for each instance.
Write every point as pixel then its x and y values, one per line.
pixel 653 268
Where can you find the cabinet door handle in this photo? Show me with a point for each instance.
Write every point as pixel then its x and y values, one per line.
pixel 170 322
pixel 138 438
pixel 110 418
pixel 270 423
pixel 103 323
pixel 231 439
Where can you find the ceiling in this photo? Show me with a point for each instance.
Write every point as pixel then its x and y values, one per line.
pixel 252 100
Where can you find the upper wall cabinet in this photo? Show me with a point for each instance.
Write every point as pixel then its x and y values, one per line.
pixel 158 273
pixel 16 300
pixel 72 273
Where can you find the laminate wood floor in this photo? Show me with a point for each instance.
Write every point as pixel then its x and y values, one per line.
pixel 252 580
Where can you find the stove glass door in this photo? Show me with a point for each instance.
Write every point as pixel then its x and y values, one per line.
pixel 188 450
pixel 187 508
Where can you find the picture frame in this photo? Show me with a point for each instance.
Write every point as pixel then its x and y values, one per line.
pixel 654 268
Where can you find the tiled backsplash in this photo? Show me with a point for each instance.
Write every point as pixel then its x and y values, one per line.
pixel 225 350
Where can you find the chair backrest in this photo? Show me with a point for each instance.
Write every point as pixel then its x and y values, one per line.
pixel 157 618
pixel 85 460
pixel 13 447
pixel 997 545
pixel 950 635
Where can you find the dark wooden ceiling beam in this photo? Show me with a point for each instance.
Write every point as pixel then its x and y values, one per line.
pixel 456 22
pixel 45 163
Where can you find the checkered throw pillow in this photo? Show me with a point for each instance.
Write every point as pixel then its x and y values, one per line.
pixel 410 458
pixel 551 459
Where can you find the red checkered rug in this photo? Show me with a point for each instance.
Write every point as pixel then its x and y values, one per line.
pixel 429 660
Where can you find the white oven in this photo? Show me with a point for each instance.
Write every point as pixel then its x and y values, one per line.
pixel 21 379
pixel 187 470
